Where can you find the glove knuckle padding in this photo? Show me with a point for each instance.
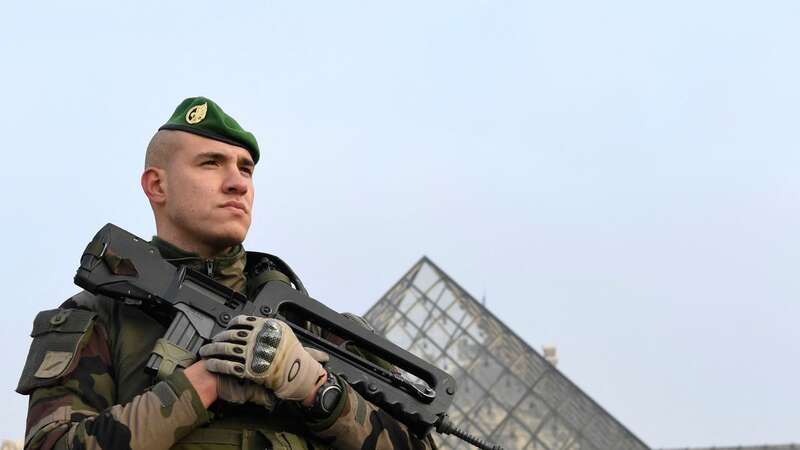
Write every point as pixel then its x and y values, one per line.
pixel 266 345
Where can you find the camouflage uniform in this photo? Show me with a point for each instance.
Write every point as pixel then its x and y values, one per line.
pixel 88 388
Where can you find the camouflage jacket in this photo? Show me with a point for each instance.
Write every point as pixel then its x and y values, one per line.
pixel 88 389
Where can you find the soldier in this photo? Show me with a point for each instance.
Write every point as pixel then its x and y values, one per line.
pixel 85 370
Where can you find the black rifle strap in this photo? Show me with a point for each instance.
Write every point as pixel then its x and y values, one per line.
pixel 263 267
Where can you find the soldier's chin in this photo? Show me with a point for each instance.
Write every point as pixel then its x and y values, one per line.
pixel 230 236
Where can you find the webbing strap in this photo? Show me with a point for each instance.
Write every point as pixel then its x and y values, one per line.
pixel 172 357
pixel 254 282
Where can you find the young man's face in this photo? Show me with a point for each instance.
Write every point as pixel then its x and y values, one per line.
pixel 209 191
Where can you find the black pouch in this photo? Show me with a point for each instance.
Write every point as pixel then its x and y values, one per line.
pixel 58 335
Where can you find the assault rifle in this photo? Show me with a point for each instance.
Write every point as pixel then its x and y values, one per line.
pixel 119 265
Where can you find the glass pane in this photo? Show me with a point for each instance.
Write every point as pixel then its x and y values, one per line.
pixel 577 410
pixel 507 350
pixel 631 443
pixel 489 414
pixel 511 435
pixel 509 390
pixel 425 349
pixel 434 315
pixel 419 313
pixel 479 331
pixel 444 299
pixel 552 388
pixel 530 369
pixel 581 444
pixel 602 432
pixel 536 445
pixel 410 328
pixel 448 365
pixel 436 290
pixel 426 277
pixel 406 301
pixel 464 351
pixel 397 291
pixel 445 442
pixel 486 370
pixel 556 434
pixel 531 412
pixel 380 318
pixel 442 331
pixel 455 414
pixel 399 336
pixel 459 314
pixel 469 394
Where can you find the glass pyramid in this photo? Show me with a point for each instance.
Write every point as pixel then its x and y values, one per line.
pixel 507 392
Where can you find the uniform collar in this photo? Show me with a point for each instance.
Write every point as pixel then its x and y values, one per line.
pixel 226 268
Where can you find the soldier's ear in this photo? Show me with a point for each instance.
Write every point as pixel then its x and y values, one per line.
pixel 154 185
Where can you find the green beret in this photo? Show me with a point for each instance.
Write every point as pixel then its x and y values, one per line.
pixel 201 116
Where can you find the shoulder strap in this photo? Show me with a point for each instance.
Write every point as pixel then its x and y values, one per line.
pixel 263 267
pixel 103 306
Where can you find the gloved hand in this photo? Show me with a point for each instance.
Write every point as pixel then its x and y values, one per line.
pixel 235 390
pixel 266 352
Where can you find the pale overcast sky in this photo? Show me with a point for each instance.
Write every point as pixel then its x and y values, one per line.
pixel 619 177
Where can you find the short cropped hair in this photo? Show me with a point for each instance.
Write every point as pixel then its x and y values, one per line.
pixel 161 148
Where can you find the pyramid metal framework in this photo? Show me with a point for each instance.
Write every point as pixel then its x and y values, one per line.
pixel 506 390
